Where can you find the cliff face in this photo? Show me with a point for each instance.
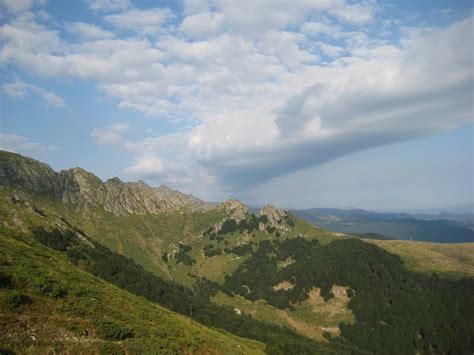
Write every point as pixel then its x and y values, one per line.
pixel 80 187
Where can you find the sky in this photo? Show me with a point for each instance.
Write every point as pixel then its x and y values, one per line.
pixel 314 103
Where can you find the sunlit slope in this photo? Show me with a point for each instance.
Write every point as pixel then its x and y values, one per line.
pixel 454 260
pixel 49 305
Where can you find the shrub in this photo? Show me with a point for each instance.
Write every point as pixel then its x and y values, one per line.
pixel 17 299
pixel 112 330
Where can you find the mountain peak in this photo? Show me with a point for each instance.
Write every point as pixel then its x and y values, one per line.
pixel 114 180
pixel 275 216
pixel 234 208
pixel 17 171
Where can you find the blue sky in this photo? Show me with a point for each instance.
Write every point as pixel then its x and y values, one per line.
pixel 296 103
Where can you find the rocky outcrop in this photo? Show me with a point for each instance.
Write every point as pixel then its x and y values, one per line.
pixel 277 218
pixel 82 188
pixel 234 209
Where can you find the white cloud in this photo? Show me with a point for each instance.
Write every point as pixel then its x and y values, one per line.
pixel 247 80
pixel 20 5
pixel 88 31
pixel 52 99
pixel 394 95
pixel 202 24
pixel 330 50
pixel 147 166
pixel 318 28
pixel 19 144
pixel 145 22
pixel 108 5
pixel 21 89
pixel 110 136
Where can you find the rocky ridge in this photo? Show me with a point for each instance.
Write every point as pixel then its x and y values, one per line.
pixel 82 188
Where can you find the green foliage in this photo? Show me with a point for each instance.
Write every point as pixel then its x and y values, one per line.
pixel 271 229
pixel 210 251
pixel 242 249
pixel 183 257
pixel 55 239
pixel 6 281
pixel 17 299
pixel 249 224
pixel 111 330
pixel 396 310
pixel 229 226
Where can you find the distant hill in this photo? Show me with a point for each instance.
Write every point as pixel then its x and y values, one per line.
pixel 392 225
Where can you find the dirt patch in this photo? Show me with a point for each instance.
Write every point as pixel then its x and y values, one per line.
pixel 332 312
pixel 285 285
pixel 286 263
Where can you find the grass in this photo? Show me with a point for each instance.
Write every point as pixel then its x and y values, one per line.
pixel 451 260
pixel 48 305
pixel 313 318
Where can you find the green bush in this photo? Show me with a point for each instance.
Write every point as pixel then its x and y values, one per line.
pixel 112 330
pixel 17 299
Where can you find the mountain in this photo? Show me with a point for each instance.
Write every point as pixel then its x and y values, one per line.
pixel 81 188
pixel 391 225
pixel 265 275
pixel 467 208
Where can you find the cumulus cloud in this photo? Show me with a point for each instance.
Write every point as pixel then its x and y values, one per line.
pixel 147 21
pixel 202 24
pixel 21 89
pixel 265 87
pixel 19 144
pixel 20 5
pixel 110 136
pixel 147 166
pixel 109 5
pixel 317 28
pixel 254 18
pixel 88 31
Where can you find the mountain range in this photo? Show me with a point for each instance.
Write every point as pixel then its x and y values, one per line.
pixel 88 266
pixel 442 228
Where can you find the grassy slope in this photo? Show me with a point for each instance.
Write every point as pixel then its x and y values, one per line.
pixel 71 310
pixel 141 237
pixel 50 323
pixel 145 238
pixel 452 260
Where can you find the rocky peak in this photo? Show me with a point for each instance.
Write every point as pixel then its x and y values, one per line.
pixel 174 198
pixel 276 216
pixel 273 213
pixel 76 184
pixel 114 181
pixel 234 209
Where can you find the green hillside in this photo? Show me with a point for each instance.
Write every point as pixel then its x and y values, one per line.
pixel 48 305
